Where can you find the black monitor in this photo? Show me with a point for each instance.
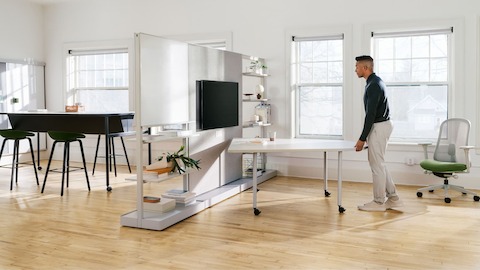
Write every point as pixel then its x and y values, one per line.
pixel 217 104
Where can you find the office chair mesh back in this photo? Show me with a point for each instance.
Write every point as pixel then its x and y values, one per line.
pixel 453 134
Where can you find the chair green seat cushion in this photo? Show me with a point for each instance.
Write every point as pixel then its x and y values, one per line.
pixel 440 166
pixel 15 134
pixel 65 136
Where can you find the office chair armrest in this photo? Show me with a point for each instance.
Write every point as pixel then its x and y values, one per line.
pixel 466 149
pixel 425 148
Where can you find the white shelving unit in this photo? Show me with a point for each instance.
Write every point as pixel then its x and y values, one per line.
pixel 250 101
pixel 157 220
pixel 154 103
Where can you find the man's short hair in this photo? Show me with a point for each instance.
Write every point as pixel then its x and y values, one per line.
pixel 364 58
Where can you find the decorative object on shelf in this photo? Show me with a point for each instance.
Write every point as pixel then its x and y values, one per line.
pixel 248 95
pixel 179 161
pixel 264 111
pixel 256 66
pixel 259 89
pixel 264 69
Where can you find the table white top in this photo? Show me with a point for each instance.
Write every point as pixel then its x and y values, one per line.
pixel 262 145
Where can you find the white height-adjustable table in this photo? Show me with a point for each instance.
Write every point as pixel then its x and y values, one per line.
pixel 257 145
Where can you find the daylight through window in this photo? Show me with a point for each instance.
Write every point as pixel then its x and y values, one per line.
pixel 98 80
pixel 415 68
pixel 317 79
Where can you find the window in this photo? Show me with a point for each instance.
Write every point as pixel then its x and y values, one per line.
pixel 415 68
pixel 317 80
pixel 214 44
pixel 22 87
pixel 98 79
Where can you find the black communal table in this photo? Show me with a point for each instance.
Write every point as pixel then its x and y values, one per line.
pixel 81 122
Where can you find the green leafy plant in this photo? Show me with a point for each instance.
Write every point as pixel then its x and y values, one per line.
pixel 178 158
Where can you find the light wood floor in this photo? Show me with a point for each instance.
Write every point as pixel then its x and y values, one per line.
pixel 298 229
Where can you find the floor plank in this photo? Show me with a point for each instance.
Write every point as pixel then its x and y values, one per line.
pixel 298 228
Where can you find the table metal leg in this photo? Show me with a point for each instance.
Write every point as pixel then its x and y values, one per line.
pixel 256 211
pixel 339 168
pixel 107 151
pixel 38 152
pixel 325 174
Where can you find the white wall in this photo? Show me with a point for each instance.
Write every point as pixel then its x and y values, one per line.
pixel 21 30
pixel 259 28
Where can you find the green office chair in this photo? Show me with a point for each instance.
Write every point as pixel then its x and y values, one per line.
pixel 17 136
pixel 451 157
pixel 66 138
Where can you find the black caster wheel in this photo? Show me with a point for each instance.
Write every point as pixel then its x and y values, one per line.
pixel 476 198
pixel 109 188
pixel 341 209
pixel 419 194
pixel 448 200
pixel 327 194
pixel 431 191
pixel 256 211
pixel 39 168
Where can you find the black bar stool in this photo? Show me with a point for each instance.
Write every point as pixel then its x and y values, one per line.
pixel 17 136
pixel 112 155
pixel 66 138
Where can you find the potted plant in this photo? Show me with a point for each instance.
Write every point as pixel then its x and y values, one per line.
pixel 180 161
pixel 264 69
pixel 254 64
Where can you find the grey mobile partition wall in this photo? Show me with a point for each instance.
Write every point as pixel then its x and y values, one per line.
pixel 166 75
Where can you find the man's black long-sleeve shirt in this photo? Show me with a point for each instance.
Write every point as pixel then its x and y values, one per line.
pixel 376 104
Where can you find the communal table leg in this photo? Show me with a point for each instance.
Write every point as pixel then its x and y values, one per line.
pixel 38 152
pixel 256 211
pixel 107 152
pixel 325 174
pixel 339 168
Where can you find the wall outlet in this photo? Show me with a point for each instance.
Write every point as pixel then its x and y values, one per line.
pixel 410 161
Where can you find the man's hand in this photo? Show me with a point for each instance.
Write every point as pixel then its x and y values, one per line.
pixel 359 146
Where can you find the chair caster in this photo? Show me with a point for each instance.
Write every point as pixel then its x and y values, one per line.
pixel 419 194
pixel 341 209
pixel 109 188
pixel 448 200
pixel 476 198
pixel 256 211
pixel 327 194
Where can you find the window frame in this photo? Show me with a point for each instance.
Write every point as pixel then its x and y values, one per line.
pixel 123 45
pixel 447 83
pixel 456 92
pixel 292 91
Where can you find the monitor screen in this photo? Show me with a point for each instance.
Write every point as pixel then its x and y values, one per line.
pixel 217 104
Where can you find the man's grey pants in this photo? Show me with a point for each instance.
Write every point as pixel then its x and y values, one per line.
pixel 377 140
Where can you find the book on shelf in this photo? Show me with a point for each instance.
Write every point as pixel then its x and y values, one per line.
pixel 180 196
pixel 161 206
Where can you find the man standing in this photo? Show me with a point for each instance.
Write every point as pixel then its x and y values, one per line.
pixel 377 129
